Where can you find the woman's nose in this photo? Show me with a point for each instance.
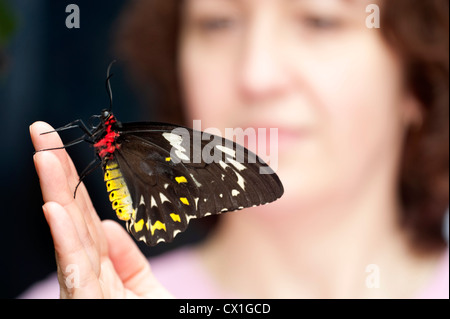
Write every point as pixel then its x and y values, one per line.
pixel 262 72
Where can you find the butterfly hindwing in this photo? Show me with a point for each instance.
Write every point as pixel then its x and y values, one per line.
pixel 169 183
pixel 161 212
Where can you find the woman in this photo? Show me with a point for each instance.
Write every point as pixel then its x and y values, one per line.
pixel 362 118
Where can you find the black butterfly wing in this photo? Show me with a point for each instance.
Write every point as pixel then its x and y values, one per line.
pixel 174 174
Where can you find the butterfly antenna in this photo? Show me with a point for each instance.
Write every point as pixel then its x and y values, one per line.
pixel 108 84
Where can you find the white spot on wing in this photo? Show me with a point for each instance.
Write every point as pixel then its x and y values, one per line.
pixel 153 202
pixel 163 198
pixel 142 201
pixel 175 140
pixel 189 217
pixel 181 155
pixel 196 202
pixel 239 167
pixel 223 164
pixel 234 192
pixel 240 181
pixel 236 164
pixel 176 232
pixel 227 150
pixel 142 238
pixel 195 181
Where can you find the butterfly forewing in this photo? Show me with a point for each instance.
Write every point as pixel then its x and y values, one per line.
pixel 169 183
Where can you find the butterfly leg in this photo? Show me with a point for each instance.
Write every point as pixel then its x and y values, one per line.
pixel 88 170
pixel 82 139
pixel 77 123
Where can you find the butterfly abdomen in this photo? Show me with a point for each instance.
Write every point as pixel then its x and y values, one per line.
pixel 119 195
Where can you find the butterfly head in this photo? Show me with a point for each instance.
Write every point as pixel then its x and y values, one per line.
pixel 107 118
pixel 105 115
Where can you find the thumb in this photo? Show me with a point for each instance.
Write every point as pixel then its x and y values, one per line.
pixel 131 265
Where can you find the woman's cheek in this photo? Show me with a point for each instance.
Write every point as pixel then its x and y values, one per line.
pixel 364 117
pixel 353 98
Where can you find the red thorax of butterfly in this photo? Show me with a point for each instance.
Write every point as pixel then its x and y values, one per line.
pixel 107 145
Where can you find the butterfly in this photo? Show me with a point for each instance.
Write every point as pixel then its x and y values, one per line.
pixel 159 176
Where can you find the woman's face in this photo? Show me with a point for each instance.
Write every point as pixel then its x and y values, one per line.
pixel 310 68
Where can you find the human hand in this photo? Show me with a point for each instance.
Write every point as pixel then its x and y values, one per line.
pixel 95 259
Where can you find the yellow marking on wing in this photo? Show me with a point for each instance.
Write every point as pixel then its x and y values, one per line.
pixel 157 225
pixel 139 225
pixel 112 174
pixel 168 159
pixel 175 217
pixel 181 179
pixel 184 200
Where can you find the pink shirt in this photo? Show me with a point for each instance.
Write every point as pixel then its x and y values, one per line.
pixel 184 276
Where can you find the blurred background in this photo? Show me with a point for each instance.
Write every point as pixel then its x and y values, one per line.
pixel 51 73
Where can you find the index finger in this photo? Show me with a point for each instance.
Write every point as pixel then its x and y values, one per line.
pixel 62 191
pixel 52 140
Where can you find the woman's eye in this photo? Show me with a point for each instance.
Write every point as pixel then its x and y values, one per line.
pixel 215 24
pixel 321 23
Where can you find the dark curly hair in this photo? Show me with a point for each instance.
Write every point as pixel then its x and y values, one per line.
pixel 417 30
